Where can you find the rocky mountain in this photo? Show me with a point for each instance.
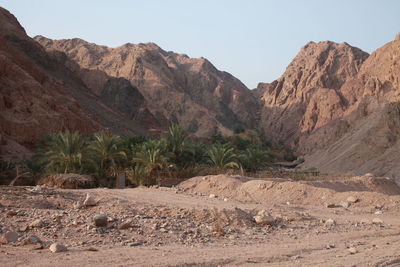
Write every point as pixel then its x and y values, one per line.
pixel 40 95
pixel 181 89
pixel 338 106
pixel 308 94
pixel 371 142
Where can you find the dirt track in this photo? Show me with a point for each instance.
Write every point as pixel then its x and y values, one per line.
pixel 177 228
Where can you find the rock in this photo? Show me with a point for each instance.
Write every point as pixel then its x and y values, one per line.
pixel 330 205
pixel 352 199
pixel 134 244
pixel 23 228
pixel 89 200
pixel 11 213
pixel 31 240
pixel 36 223
pixel 330 245
pixel 125 225
pixel 226 199
pixel 330 222
pixel 397 38
pixel 378 212
pixel 344 204
pixel 232 237
pixel 352 250
pixel 11 236
pixel 100 220
pixel 90 249
pixel 78 205
pixel 377 221
pixel 264 218
pixel 57 247
pixel 212 196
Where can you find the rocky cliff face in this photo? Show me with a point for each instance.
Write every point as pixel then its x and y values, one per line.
pixel 371 141
pixel 183 90
pixel 308 95
pixel 40 95
pixel 338 106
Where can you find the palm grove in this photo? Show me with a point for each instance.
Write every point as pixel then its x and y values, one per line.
pixel 144 159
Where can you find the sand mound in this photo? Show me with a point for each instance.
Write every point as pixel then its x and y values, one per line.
pixel 68 181
pixel 275 190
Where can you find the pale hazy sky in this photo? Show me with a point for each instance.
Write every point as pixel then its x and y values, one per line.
pixel 254 40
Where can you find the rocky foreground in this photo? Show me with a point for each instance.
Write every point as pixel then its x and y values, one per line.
pixel 42 226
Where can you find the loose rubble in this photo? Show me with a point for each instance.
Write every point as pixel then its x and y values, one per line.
pixel 40 219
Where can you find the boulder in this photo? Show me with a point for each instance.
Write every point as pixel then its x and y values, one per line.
pixel 89 200
pixel 264 218
pixel 100 220
pixel 57 247
pixel 352 199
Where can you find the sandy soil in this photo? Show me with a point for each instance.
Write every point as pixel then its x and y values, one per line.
pixel 185 227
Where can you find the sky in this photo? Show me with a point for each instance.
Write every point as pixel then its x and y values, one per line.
pixel 254 40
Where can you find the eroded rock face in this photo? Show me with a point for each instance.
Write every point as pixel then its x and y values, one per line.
pixel 32 103
pixel 41 93
pixel 371 142
pixel 184 90
pixel 339 107
pixel 308 95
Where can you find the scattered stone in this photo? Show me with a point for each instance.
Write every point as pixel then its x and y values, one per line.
pixel 378 212
pixel 11 213
pixel 330 245
pixel 264 218
pixel 352 199
pixel 31 240
pixel 125 225
pixel 232 237
pixel 212 196
pixel 352 250
pixel 344 204
pixel 10 236
pixel 78 205
pixel 90 249
pixel 23 228
pixel 100 220
pixel 377 221
pixel 89 200
pixel 330 205
pixel 330 222
pixel 36 223
pixel 57 247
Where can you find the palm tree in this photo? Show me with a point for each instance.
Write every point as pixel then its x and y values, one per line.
pixel 107 152
pixel 63 152
pixel 176 139
pixel 193 154
pixel 222 156
pixel 254 159
pixel 152 157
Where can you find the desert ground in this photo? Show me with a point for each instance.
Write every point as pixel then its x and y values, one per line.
pixel 206 221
